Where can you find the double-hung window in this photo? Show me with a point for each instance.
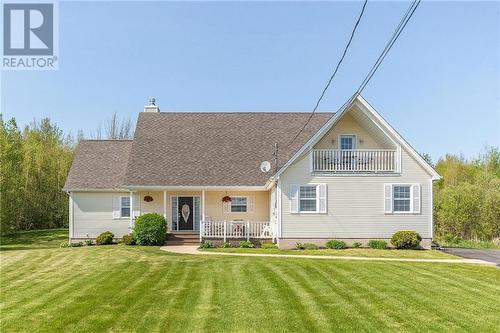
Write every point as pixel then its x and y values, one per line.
pixel 347 142
pixel 125 206
pixel 401 198
pixel 239 204
pixel 308 198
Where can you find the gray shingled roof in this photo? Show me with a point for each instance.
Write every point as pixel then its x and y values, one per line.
pixel 192 149
pixel 213 149
pixel 99 164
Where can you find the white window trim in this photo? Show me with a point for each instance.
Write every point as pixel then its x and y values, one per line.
pixel 355 142
pixel 129 207
pixel 317 199
pixel 412 208
pixel 231 204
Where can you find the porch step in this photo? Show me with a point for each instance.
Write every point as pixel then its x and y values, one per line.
pixel 182 239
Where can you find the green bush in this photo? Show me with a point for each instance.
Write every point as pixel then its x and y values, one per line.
pixel 406 239
pixel 206 245
pixel 335 244
pixel 310 246
pixel 246 244
pixel 356 245
pixel 69 244
pixel 226 245
pixel 128 239
pixel 299 246
pixel 150 229
pixel 377 244
pixel 106 238
pixel 89 242
pixel 268 246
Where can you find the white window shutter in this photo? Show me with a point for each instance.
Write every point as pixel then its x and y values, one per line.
pixel 227 207
pixel 294 198
pixel 388 198
pixel 250 204
pixel 136 209
pixel 322 198
pixel 416 198
pixel 116 206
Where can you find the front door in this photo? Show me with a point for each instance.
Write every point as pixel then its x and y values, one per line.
pixel 185 213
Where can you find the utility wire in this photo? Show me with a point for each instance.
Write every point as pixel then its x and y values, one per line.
pixel 334 73
pixel 402 24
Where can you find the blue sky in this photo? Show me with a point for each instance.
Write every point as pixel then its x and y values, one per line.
pixel 439 86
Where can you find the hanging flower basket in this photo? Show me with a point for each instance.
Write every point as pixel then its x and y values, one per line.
pixel 226 199
pixel 148 198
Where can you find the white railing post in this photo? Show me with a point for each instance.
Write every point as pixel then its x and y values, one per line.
pixel 248 230
pixel 202 228
pixel 225 230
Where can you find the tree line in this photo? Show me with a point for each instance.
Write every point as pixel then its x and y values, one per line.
pixel 34 164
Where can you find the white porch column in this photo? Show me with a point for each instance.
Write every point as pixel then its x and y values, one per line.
pixel 165 207
pixel 203 205
pixel 131 223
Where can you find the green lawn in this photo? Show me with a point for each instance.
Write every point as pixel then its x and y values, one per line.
pixel 136 289
pixel 416 254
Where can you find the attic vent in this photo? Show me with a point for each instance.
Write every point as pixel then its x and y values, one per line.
pixel 151 107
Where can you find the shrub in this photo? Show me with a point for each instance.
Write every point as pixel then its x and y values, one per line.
pixel 206 245
pixel 268 246
pixel 69 244
pixel 106 238
pixel 335 244
pixel 377 244
pixel 310 246
pixel 150 229
pixel 128 239
pixel 406 239
pixel 226 245
pixel 89 242
pixel 299 246
pixel 246 244
pixel 356 245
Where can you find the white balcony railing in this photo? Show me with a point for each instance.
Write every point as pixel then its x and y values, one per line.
pixel 237 229
pixel 354 160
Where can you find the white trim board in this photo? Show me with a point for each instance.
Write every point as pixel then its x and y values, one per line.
pixel 378 120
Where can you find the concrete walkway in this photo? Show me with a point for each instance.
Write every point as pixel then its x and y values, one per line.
pixel 193 249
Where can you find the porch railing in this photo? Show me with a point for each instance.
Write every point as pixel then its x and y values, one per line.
pixel 237 229
pixel 354 160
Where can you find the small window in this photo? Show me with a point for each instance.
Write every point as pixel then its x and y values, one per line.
pixel 347 142
pixel 239 204
pixel 401 198
pixel 125 206
pixel 307 198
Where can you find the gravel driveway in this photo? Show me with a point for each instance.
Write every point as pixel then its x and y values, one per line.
pixel 486 255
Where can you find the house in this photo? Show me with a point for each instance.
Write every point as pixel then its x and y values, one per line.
pixel 348 176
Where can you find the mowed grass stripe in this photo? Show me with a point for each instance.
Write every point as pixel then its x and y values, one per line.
pixel 347 304
pixel 143 289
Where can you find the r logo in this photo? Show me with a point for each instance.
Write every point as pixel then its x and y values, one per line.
pixel 28 29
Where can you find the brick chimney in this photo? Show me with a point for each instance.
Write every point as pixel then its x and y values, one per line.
pixel 151 107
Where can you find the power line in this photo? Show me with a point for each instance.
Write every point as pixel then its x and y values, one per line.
pixel 402 24
pixel 334 72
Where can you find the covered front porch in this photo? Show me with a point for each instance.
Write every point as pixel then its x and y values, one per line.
pixel 211 213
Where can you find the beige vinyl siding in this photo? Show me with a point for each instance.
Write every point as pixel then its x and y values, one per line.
pixel 93 214
pixel 214 206
pixel 355 204
pixel 349 125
